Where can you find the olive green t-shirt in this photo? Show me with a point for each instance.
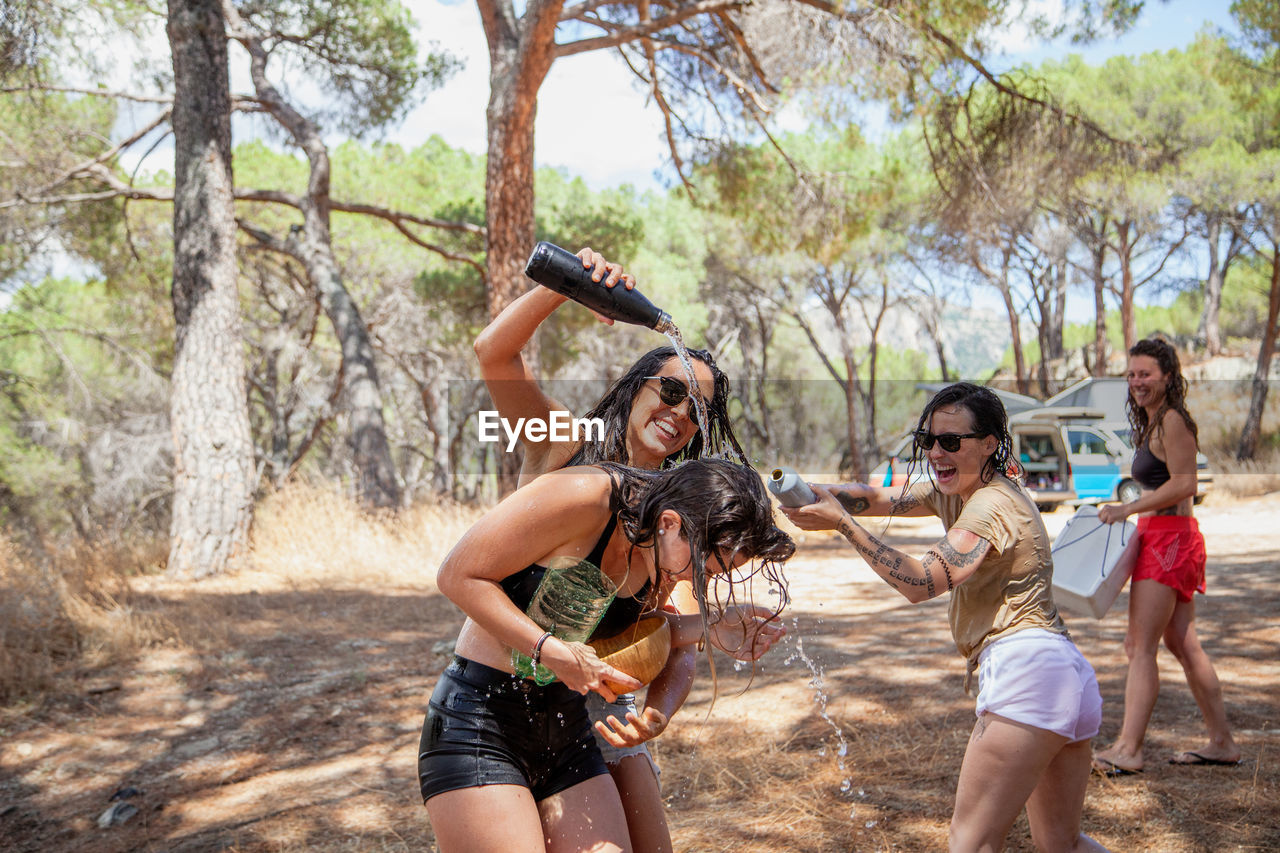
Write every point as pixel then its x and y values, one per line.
pixel 1011 589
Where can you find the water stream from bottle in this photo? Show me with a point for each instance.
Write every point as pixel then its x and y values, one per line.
pixel 817 682
pixel 717 445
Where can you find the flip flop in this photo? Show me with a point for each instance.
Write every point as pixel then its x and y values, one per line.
pixel 1111 770
pixel 1190 758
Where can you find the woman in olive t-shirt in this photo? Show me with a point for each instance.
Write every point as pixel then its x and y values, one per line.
pixel 1038 704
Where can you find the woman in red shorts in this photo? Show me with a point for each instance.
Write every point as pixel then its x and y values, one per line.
pixel 1170 565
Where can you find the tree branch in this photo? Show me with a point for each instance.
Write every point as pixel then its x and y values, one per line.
pixel 639 31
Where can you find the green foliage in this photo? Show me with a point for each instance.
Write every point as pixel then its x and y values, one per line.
pixel 669 263
pixel 1244 299
pixel 40 37
pixel 44 135
pixel 1259 22
pixel 569 214
pixel 361 53
pixel 1165 101
pixel 83 432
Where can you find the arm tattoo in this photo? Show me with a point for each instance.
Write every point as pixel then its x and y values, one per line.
pixel 906 579
pixel 949 554
pixel 945 555
pixel 902 504
pixel 878 554
pixel 853 504
pixel 932 556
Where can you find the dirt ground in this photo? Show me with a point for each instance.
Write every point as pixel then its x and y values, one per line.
pixel 300 731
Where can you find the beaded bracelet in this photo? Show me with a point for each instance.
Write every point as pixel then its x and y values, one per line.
pixel 537 650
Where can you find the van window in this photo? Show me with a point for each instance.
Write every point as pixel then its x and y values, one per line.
pixel 1038 453
pixel 1037 448
pixel 1086 441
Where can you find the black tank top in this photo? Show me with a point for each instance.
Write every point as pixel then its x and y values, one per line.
pixel 622 613
pixel 1150 471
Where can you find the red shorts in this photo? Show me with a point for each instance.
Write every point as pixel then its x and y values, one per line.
pixel 1172 553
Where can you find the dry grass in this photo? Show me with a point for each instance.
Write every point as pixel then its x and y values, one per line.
pixel 71 609
pixel 1220 408
pixel 1250 479
pixel 310 537
pixel 86 606
pixel 281 710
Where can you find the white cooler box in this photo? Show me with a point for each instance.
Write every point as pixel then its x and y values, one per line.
pixel 1091 562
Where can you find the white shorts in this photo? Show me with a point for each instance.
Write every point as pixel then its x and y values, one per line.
pixel 1039 678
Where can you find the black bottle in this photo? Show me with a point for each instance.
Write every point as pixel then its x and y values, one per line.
pixel 562 271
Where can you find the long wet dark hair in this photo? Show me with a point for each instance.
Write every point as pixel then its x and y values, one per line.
pixel 614 408
pixel 989 418
pixel 1175 392
pixel 722 507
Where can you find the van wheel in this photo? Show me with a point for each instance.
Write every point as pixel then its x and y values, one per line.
pixel 1128 492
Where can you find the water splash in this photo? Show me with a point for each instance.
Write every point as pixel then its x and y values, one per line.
pixel 820 698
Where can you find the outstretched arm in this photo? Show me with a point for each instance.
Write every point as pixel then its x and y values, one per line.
pixel 862 499
pixel 943 567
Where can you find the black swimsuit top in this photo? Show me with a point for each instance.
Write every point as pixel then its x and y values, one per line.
pixel 1150 471
pixel 623 611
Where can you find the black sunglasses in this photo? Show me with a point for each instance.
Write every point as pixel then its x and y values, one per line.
pixel 671 391
pixel 950 441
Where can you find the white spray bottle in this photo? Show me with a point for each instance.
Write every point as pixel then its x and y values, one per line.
pixel 788 487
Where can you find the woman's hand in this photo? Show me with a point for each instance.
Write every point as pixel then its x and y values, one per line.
pixel 606 273
pixel 746 632
pixel 577 665
pixel 1111 513
pixel 823 514
pixel 639 728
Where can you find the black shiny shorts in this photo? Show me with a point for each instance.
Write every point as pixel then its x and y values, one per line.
pixel 489 727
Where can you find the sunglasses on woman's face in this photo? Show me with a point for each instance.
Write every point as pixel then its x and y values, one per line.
pixel 671 391
pixel 950 441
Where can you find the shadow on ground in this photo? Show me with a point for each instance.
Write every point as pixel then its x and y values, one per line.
pixel 294 726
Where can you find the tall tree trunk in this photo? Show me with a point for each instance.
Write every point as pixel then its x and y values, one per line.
pixel 1000 280
pixel 213 447
pixel 931 316
pixel 1209 330
pixel 1124 252
pixel 1015 332
pixel 1099 312
pixel 521 50
pixel 361 391
pixel 1266 349
pixel 1058 309
pixel 857 465
pixel 873 352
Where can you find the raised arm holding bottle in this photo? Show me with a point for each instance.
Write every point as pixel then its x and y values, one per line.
pixel 649 424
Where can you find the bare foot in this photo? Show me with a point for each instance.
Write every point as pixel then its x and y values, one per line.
pixel 1114 762
pixel 1205 757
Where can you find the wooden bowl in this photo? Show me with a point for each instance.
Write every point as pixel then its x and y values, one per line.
pixel 640 651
